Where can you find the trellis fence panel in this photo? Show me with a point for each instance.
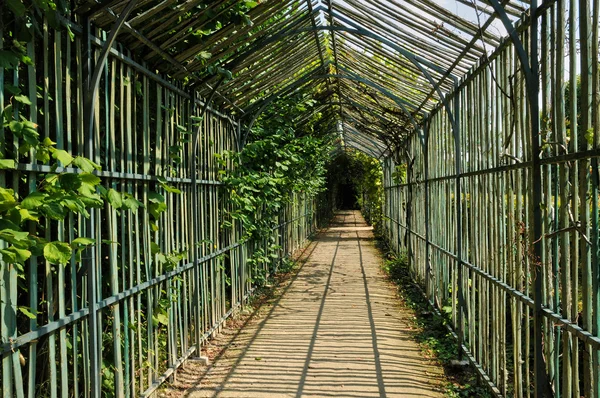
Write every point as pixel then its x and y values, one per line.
pixel 167 278
pixel 502 233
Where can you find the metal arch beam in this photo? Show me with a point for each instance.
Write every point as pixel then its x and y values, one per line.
pixel 369 137
pixel 512 33
pixel 363 32
pixel 356 29
pixel 308 77
pixel 351 102
pixel 349 73
pixel 369 83
pixel 360 148
pixel 292 86
pixel 194 204
pixel 381 145
pixel 415 59
pixel 251 124
pixel 354 140
pixel 399 101
pixel 385 146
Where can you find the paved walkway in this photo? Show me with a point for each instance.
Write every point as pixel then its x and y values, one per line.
pixel 337 330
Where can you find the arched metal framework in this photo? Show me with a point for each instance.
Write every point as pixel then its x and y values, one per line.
pixel 499 209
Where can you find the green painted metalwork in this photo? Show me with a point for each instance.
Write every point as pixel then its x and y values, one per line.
pixel 499 212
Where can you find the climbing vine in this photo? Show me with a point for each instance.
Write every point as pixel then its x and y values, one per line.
pixel 365 174
pixel 276 163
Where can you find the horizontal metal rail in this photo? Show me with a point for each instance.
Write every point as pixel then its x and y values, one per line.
pixel 98 42
pixel 38 168
pixel 552 160
pixel 585 336
pixel 107 302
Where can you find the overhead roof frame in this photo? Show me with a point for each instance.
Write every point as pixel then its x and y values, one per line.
pixel 414 61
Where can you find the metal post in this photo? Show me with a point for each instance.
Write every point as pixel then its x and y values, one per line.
pixel 409 199
pixel 458 204
pixel 93 76
pixel 529 62
pixel 194 204
pixel 90 264
pixel 195 232
pixel 541 382
pixel 427 248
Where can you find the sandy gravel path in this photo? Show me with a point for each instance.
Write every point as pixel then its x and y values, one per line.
pixel 334 329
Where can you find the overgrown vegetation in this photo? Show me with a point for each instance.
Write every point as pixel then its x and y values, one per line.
pixel 44 232
pixel 280 160
pixel 432 333
pixel 365 174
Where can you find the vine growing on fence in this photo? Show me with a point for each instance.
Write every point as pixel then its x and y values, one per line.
pixel 278 161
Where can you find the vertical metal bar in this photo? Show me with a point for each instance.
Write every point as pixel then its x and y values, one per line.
pixel 427 215
pixel 194 211
pixel 90 261
pixel 541 382
pixel 93 76
pixel 595 102
pixel 32 186
pixel 458 205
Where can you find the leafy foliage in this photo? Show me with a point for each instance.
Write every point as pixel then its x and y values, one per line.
pixel 366 175
pixel 275 164
pixel 432 335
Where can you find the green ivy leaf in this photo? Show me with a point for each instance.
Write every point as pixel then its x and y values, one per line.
pixel 85 164
pixel 589 136
pixel 57 252
pixel 162 318
pixel 170 188
pixel 70 181
pixel 155 209
pixel 94 201
pixel 62 156
pixel 154 248
pixel 30 135
pixel 27 215
pixel 12 90
pixel 8 256
pixel 8 59
pixel 54 210
pixel 7 199
pixel 83 241
pixel 34 200
pixel 7 164
pixel 155 197
pixel 131 203
pixel 114 198
pixel 27 312
pixel 16 127
pixel 22 99
pixel 17 255
pixel 90 179
pixel 17 7
pixel 14 236
pixel 43 155
pixel 48 142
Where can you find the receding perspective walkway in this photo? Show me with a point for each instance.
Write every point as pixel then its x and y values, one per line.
pixel 337 330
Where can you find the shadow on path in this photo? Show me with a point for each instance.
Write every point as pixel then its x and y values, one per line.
pixel 336 330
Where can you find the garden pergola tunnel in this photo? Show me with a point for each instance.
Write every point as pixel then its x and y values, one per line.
pixel 492 109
